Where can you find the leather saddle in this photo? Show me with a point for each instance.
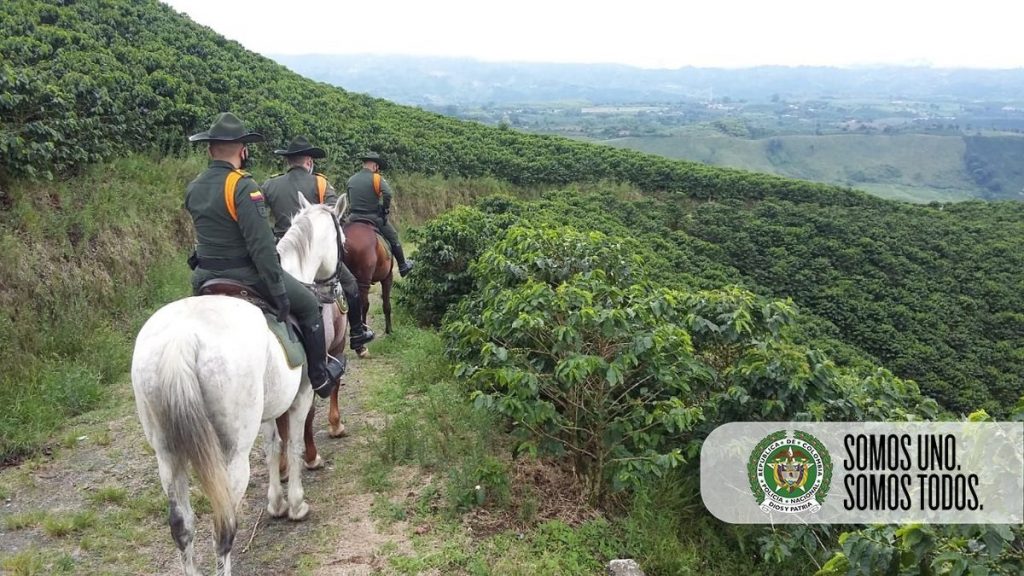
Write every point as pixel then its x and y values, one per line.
pixel 235 289
pixel 363 219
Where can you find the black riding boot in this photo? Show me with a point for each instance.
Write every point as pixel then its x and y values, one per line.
pixel 359 334
pixel 404 266
pixel 324 371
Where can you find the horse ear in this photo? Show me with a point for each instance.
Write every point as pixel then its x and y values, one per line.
pixel 341 205
pixel 303 203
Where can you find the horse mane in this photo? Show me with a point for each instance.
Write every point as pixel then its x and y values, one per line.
pixel 298 238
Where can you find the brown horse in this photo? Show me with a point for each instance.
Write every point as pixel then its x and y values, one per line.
pixel 368 257
pixel 336 334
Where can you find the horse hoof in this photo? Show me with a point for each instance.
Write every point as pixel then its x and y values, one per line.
pixel 277 511
pixel 316 464
pixel 300 514
pixel 363 352
pixel 338 432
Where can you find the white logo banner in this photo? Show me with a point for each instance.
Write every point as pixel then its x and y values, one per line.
pixel 864 472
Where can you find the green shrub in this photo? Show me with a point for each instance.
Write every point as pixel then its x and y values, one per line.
pixel 447 246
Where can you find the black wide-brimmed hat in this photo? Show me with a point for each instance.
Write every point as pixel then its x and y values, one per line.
pixel 300 146
pixel 375 157
pixel 227 128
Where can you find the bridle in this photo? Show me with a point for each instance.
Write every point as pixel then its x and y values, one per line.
pixel 327 289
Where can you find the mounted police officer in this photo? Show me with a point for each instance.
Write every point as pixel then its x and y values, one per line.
pixel 282 190
pixel 234 241
pixel 369 198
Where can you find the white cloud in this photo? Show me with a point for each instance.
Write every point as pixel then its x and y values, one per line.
pixel 647 33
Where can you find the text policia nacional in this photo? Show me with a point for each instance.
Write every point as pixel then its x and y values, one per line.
pixel 905 472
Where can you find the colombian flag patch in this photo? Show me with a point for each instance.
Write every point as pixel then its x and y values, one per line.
pixel 256 196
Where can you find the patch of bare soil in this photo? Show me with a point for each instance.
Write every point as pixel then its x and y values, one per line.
pixel 542 490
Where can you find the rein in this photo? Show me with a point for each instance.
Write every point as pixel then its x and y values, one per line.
pixel 326 289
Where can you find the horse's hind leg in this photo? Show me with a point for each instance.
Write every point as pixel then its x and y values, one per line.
pixel 385 296
pixel 238 476
pixel 335 429
pixel 312 458
pixel 282 431
pixel 181 517
pixel 276 505
pixel 297 507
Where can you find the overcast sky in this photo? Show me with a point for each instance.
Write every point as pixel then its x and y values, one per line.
pixel 646 33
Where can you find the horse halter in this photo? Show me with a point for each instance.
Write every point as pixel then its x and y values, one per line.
pixel 329 286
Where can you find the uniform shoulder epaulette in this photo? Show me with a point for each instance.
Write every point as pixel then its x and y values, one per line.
pixel 321 186
pixel 230 184
pixel 321 174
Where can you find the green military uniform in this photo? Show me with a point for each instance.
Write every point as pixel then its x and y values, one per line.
pixel 282 191
pixel 242 250
pixel 234 240
pixel 282 198
pixel 366 204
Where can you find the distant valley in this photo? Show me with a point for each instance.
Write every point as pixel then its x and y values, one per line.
pixel 914 134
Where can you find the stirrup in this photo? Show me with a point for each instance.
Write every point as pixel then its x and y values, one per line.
pixel 335 370
pixel 361 338
pixel 403 270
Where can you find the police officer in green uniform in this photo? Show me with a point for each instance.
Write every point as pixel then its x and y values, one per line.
pixel 235 241
pixel 368 201
pixel 282 191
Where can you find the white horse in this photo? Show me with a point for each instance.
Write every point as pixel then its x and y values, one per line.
pixel 208 374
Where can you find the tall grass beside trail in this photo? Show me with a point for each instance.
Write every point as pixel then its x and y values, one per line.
pixel 82 264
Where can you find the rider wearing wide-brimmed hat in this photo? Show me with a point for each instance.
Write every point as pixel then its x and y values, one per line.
pixel 282 193
pixel 234 240
pixel 369 198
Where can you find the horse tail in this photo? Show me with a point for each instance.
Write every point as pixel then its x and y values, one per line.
pixel 188 432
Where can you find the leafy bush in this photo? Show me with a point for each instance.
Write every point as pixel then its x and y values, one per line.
pixel 566 338
pixel 447 246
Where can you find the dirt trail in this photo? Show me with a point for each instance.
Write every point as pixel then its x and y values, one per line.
pixel 102 483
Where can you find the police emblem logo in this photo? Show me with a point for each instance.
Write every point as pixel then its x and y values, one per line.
pixel 790 473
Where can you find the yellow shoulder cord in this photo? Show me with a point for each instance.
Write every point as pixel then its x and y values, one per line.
pixel 229 192
pixel 321 187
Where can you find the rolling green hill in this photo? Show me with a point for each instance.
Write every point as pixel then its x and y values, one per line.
pixel 90 80
pixel 911 167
